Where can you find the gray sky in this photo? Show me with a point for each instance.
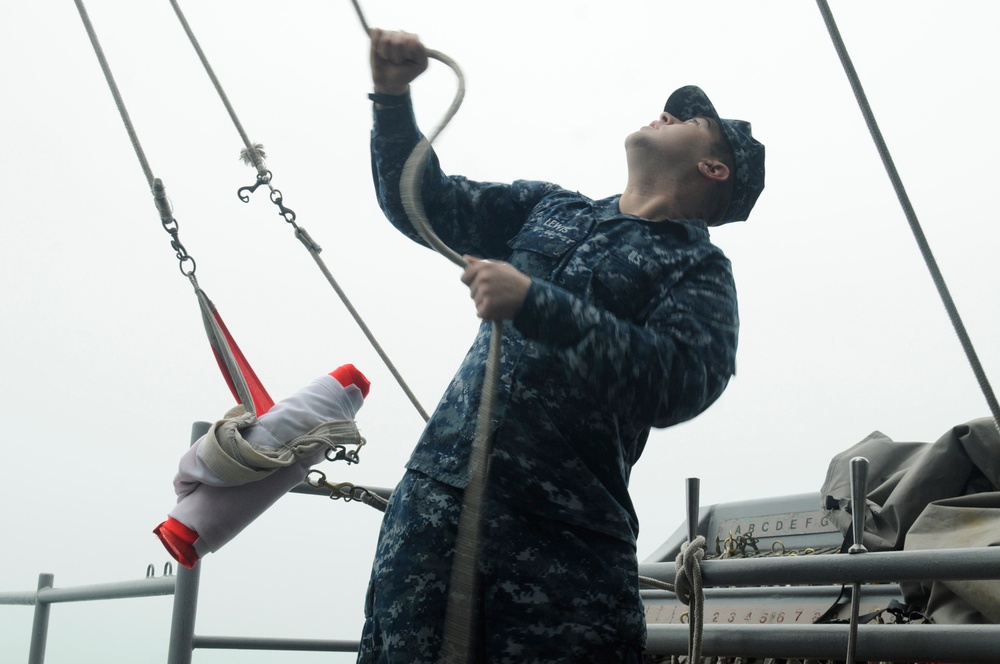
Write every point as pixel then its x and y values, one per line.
pixel 104 364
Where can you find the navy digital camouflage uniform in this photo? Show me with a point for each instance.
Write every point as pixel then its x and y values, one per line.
pixel 627 324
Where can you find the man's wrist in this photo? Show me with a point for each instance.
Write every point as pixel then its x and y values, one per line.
pixel 389 100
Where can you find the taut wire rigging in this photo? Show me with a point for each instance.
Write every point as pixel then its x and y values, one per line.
pixel 911 216
pixel 237 371
pixel 254 154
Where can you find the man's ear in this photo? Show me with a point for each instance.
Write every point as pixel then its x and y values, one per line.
pixel 714 170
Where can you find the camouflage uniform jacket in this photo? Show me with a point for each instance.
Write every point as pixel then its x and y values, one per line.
pixel 627 324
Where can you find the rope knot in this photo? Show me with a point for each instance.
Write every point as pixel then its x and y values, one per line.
pixel 688 589
pixel 688 565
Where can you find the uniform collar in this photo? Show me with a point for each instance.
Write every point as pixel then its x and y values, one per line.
pixel 692 229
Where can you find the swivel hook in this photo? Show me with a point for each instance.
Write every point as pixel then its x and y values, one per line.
pixel 244 192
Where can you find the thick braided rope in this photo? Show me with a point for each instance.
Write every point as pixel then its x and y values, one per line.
pixel 687 586
pixel 462 612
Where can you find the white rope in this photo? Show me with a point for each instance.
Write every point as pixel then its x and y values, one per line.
pixel 462 612
pixel 687 586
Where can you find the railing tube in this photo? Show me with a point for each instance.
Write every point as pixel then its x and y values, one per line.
pixel 181 644
pixel 182 620
pixel 40 625
pixel 973 644
pixel 873 567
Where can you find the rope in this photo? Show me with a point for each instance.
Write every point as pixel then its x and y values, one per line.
pixel 911 216
pixel 687 586
pixel 253 153
pixel 217 338
pixel 115 93
pixel 367 332
pixel 462 616
pixel 252 150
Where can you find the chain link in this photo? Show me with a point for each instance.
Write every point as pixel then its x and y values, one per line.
pixel 346 491
pixel 264 178
pixel 730 546
pixel 738 545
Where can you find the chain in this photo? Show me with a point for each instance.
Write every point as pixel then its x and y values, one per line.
pixel 345 491
pixel 730 546
pixel 264 178
pixel 735 545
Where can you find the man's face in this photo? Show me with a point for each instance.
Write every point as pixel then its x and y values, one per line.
pixel 676 140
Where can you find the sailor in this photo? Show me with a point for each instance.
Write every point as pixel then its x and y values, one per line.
pixel 618 315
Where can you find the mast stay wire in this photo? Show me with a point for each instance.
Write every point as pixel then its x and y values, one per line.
pixel 462 619
pixel 911 216
pixel 253 153
pixel 250 393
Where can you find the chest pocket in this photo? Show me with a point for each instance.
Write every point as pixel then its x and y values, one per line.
pixel 538 250
pixel 626 283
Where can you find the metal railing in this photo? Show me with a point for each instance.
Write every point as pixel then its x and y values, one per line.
pixel 183 640
pixel 952 643
pixel 969 644
pixel 911 642
pixel 46 595
pixel 776 580
pixel 184 588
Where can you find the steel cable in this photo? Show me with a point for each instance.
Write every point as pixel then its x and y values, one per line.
pixel 911 217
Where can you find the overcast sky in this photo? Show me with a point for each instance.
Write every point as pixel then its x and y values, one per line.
pixel 104 364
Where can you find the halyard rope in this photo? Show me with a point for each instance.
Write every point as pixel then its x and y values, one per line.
pixel 253 153
pixel 462 612
pixel 187 263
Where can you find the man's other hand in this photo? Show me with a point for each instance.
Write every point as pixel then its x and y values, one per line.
pixel 497 288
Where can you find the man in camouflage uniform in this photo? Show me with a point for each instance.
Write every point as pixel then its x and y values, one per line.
pixel 619 315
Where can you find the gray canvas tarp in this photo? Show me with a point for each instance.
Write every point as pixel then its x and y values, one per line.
pixel 941 495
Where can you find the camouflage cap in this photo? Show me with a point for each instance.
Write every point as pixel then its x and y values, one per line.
pixel 748 154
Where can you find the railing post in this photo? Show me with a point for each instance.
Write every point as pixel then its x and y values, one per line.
pixel 693 508
pixel 859 507
pixel 182 621
pixel 185 594
pixel 40 625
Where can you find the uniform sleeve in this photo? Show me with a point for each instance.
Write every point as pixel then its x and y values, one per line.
pixel 470 217
pixel 664 372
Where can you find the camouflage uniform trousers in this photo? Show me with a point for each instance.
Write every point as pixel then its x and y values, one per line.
pixel 550 592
